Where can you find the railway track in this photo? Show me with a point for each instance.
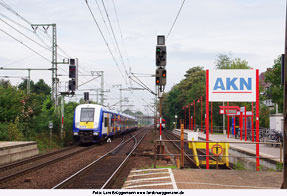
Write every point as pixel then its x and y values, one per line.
pixel 32 159
pixel 15 170
pixel 21 168
pixel 100 173
pixel 187 151
pixel 201 153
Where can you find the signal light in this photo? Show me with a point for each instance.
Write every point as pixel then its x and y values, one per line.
pixel 72 85
pixel 163 73
pixel 160 55
pixel 163 77
pixel 86 96
pixel 72 71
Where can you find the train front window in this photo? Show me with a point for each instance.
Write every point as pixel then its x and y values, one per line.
pixel 87 114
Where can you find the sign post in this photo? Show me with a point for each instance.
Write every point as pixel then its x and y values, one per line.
pixel 234 85
pixel 207 118
pixel 50 127
pixel 257 120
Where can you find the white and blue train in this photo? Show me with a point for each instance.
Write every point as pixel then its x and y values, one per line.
pixel 93 123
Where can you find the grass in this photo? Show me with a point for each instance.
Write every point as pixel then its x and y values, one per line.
pixel 279 166
pixel 161 166
pixel 238 166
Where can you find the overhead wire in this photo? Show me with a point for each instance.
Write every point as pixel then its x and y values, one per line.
pixel 9 8
pixel 104 39
pixel 26 35
pixel 25 45
pixel 122 37
pixel 175 19
pixel 5 5
pixel 113 33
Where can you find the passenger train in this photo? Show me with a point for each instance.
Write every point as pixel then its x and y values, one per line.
pixel 93 123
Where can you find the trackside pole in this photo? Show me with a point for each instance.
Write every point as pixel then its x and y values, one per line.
pixel 227 123
pixel 284 184
pixel 207 119
pixel 245 123
pixel 185 117
pixel 189 127
pixel 252 124
pixel 234 131
pixel 194 122
pixel 201 113
pixel 211 123
pixel 241 124
pixel 257 120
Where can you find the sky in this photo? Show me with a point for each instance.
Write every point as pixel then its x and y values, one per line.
pixel 252 30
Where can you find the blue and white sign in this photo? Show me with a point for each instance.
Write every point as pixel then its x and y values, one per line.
pixel 234 85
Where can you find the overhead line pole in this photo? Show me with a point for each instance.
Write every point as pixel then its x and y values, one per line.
pixel 29 70
pixel 284 184
pixel 55 80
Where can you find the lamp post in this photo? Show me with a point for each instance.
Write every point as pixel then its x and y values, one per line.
pixel 194 124
pixel 175 120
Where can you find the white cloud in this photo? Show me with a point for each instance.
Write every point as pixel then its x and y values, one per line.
pixel 251 29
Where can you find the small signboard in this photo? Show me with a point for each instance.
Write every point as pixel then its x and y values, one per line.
pixel 50 125
pixel 192 136
pixel 217 149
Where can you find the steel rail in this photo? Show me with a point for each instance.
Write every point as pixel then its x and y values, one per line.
pixel 75 175
pixel 34 158
pixel 39 166
pixel 125 160
pixel 203 151
pixel 185 154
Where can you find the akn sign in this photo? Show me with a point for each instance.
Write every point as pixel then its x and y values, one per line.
pixel 234 85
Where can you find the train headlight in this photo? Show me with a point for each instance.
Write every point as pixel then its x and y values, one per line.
pixel 76 133
pixel 95 133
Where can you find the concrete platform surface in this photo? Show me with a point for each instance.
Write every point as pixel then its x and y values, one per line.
pixel 265 151
pixel 13 151
pixel 202 179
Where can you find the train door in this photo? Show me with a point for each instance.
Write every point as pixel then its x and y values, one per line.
pixel 106 124
pixel 119 123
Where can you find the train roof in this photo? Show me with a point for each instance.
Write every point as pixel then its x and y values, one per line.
pixel 99 107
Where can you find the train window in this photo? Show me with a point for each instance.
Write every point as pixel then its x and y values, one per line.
pixel 106 121
pixel 87 115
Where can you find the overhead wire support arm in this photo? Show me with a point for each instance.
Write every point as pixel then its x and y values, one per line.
pixel 89 81
pixel 144 86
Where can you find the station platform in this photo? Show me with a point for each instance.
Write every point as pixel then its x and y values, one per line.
pixel 166 178
pixel 266 151
pixel 13 151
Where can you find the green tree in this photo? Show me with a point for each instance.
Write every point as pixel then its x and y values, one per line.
pixel 225 62
pixel 275 90
pixel 23 85
pixel 5 83
pixel 41 87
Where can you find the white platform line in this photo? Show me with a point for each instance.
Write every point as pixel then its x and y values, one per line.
pixel 172 179
pixel 136 175
pixel 145 185
pixel 227 185
pixel 141 170
pixel 147 179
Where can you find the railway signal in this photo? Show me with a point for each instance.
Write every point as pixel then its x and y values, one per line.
pixel 86 96
pixel 72 71
pixel 163 77
pixel 72 85
pixel 160 77
pixel 160 55
pixel 72 74
pixel 157 76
